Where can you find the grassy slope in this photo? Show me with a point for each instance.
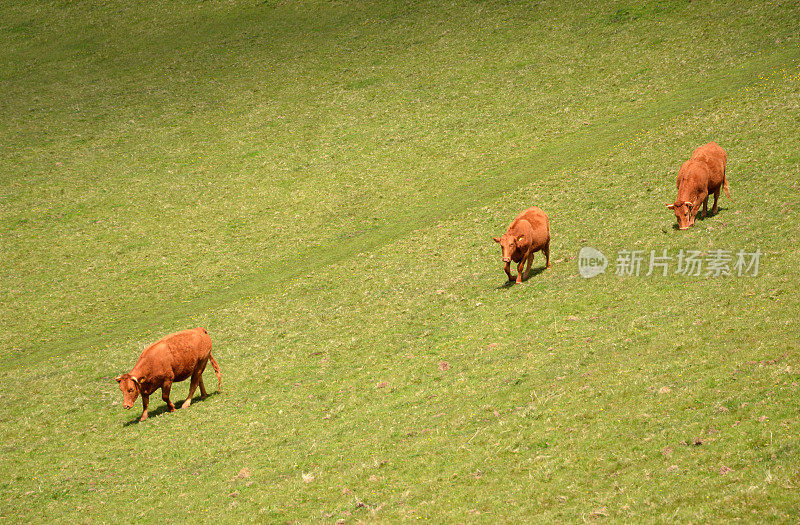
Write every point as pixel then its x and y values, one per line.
pixel 316 185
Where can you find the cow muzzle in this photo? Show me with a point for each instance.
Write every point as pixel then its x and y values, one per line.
pixel 127 406
pixel 506 259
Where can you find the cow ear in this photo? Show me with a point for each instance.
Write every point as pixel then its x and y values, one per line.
pixel 670 206
pixel 690 203
pixel 118 379
pixel 519 239
pixel 496 239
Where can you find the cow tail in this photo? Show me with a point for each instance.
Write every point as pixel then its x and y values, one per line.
pixel 216 371
pixel 725 186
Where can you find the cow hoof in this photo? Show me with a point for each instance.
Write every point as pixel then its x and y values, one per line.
pixel 186 403
pixel 143 418
pixel 548 266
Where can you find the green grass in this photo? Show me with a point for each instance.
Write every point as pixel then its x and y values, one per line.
pixel 317 183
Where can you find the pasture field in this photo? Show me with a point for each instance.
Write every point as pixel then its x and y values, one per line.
pixel 317 183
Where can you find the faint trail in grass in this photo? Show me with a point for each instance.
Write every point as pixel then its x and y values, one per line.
pixel 573 150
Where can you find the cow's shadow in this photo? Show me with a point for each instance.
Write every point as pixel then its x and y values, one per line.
pixel 534 272
pixel 699 218
pixel 163 407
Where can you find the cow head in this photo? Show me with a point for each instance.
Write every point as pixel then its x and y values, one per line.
pixel 683 212
pixel 509 244
pixel 130 387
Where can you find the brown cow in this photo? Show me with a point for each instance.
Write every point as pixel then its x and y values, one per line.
pixel 700 176
pixel 174 358
pixel 528 233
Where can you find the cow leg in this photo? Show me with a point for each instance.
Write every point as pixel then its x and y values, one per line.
pixel 145 402
pixel 200 380
pixel 519 270
pixel 507 268
pixel 716 197
pixel 530 262
pixel 192 388
pixel 694 210
pixel 202 389
pixel 546 251
pixel 705 207
pixel 165 388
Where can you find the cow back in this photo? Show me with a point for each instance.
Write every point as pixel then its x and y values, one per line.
pixel 714 158
pixel 539 229
pixel 176 355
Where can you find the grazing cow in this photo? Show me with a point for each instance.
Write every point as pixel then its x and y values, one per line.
pixel 174 358
pixel 699 177
pixel 528 233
